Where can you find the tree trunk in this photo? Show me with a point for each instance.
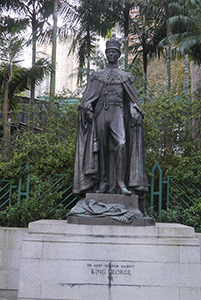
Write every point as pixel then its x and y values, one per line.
pixel 195 79
pixel 34 32
pixel 88 53
pixel 88 67
pixel 54 45
pixel 169 67
pixel 5 118
pixel 126 32
pixel 145 84
pixel 195 91
pixel 145 68
pixel 32 87
pixel 169 54
pixel 126 53
pixel 186 75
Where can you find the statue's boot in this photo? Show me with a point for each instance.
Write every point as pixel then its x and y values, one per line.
pixel 124 191
pixel 119 151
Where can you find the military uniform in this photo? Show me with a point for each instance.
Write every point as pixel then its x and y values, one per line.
pixel 110 145
pixel 110 150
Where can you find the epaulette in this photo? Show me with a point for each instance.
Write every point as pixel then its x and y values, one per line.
pixel 126 77
pixel 98 75
pixel 130 77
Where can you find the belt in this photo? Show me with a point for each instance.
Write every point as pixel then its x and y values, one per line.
pixel 112 102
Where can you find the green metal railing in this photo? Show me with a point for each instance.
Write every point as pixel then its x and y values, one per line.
pixel 6 190
pixel 164 194
pixel 53 184
pixel 58 183
pixel 26 193
pixel 5 193
pixel 173 192
pixel 157 192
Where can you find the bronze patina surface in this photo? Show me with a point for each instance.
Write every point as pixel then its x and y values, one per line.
pixel 110 145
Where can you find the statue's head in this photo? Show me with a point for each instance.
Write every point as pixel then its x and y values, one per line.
pixel 112 50
pixel 113 43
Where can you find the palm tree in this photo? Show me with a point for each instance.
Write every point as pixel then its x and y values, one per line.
pixel 93 19
pixel 146 30
pixel 54 43
pixel 16 80
pixel 36 13
pixel 161 9
pixel 188 14
pixel 188 42
pixel 11 43
pixel 68 14
pixel 188 36
pixel 121 13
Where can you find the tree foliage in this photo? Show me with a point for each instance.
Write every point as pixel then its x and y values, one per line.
pixel 156 74
pixel 189 216
pixel 49 152
pixel 94 19
pixel 187 18
pixel 172 137
pixel 146 30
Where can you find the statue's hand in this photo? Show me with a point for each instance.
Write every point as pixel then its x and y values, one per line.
pixel 135 116
pixel 89 116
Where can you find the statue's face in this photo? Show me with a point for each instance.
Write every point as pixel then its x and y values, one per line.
pixel 112 55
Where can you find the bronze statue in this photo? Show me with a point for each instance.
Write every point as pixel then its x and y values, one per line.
pixel 110 150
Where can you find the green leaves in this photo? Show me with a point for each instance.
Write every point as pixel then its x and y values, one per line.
pixel 23 212
pixel 49 152
pixel 171 135
pixel 189 217
pixel 186 19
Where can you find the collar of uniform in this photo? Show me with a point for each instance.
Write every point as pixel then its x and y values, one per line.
pixel 112 66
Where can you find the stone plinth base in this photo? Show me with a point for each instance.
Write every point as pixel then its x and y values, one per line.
pixel 131 203
pixel 145 221
pixel 83 262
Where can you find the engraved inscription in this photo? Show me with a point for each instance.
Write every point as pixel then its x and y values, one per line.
pixel 111 269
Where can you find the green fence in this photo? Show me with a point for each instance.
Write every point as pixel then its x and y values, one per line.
pixel 55 186
pixel 58 183
pixel 172 192
pixel 6 191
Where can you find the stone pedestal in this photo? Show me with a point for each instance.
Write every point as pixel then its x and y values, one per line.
pixel 83 262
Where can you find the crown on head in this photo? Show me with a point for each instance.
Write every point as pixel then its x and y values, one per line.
pixel 113 43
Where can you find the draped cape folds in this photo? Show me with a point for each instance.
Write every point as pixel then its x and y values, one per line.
pixel 86 170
